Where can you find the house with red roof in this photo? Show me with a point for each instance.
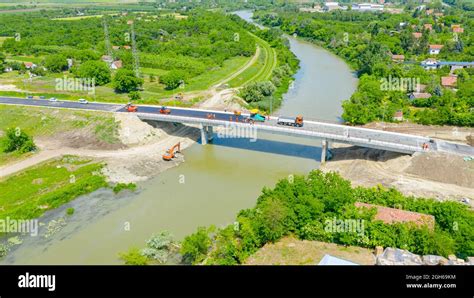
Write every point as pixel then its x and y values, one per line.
pixel 449 81
pixel 398 58
pixel 457 29
pixel 435 49
pixel 393 215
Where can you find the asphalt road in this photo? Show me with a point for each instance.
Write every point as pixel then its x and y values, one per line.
pixel 341 130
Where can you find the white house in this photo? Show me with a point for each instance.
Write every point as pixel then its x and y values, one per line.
pixel 367 7
pixel 435 49
pixel 328 6
pixel 429 63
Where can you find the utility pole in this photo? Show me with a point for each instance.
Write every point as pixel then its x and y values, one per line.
pixel 107 40
pixel 136 63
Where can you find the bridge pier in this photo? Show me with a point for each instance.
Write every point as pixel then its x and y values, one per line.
pixel 206 134
pixel 325 151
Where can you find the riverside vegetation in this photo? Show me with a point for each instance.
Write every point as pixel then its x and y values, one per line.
pixel 367 41
pixel 301 205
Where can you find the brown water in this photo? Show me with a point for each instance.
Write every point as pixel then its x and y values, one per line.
pixel 214 183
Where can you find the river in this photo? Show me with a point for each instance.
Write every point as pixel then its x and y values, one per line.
pixel 214 183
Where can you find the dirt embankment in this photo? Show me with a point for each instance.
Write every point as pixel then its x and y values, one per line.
pixel 438 175
pixel 463 135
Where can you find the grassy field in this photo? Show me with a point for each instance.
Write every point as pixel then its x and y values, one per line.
pixel 47 122
pixel 153 93
pixel 47 186
pixel 291 251
pixel 261 70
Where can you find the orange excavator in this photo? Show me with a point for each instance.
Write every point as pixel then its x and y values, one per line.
pixel 131 108
pixel 164 110
pixel 170 153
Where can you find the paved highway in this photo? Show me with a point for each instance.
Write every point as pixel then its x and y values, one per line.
pixel 333 132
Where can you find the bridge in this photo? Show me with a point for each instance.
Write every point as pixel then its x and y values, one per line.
pixel 325 131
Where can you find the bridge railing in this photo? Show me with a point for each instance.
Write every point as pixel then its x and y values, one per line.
pixel 324 131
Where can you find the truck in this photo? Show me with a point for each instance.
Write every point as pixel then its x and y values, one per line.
pixel 296 122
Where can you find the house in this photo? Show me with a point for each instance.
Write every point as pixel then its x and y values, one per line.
pixel 428 27
pixel 429 12
pixel 70 63
pixel 8 69
pixel 328 6
pixel 435 49
pixel 127 47
pixel 398 58
pixel 116 64
pixel 393 215
pixel 129 22
pixel 457 29
pixel 116 48
pixel 367 7
pixel 429 63
pixel 417 35
pixel 419 95
pixel 449 81
pixel 438 14
pixel 30 65
pixel 398 116
pixel 107 58
pixel 331 261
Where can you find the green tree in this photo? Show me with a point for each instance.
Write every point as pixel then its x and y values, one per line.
pixel 97 70
pixel 172 79
pixel 195 246
pixel 56 63
pixel 133 257
pixel 126 81
pixel 17 140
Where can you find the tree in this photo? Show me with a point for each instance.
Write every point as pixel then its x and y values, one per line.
pixel 126 81
pixel 2 62
pixel 195 246
pixel 56 63
pixel 97 70
pixel 172 79
pixel 133 257
pixel 17 140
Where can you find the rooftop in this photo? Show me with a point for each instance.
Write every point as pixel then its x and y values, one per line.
pixel 393 215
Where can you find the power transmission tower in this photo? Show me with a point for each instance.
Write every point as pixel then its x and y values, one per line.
pixel 136 63
pixel 107 40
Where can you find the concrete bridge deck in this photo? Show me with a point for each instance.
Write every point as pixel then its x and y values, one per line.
pixel 327 132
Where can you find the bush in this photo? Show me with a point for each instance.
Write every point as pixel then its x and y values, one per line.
pixel 133 257
pixel 122 186
pixel 126 81
pixel 70 211
pixel 97 70
pixel 172 79
pixel 17 140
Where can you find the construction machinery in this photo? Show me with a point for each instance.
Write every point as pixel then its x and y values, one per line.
pixel 131 108
pixel 256 116
pixel 297 122
pixel 164 110
pixel 170 153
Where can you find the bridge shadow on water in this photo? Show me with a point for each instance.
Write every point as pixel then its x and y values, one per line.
pixel 286 148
